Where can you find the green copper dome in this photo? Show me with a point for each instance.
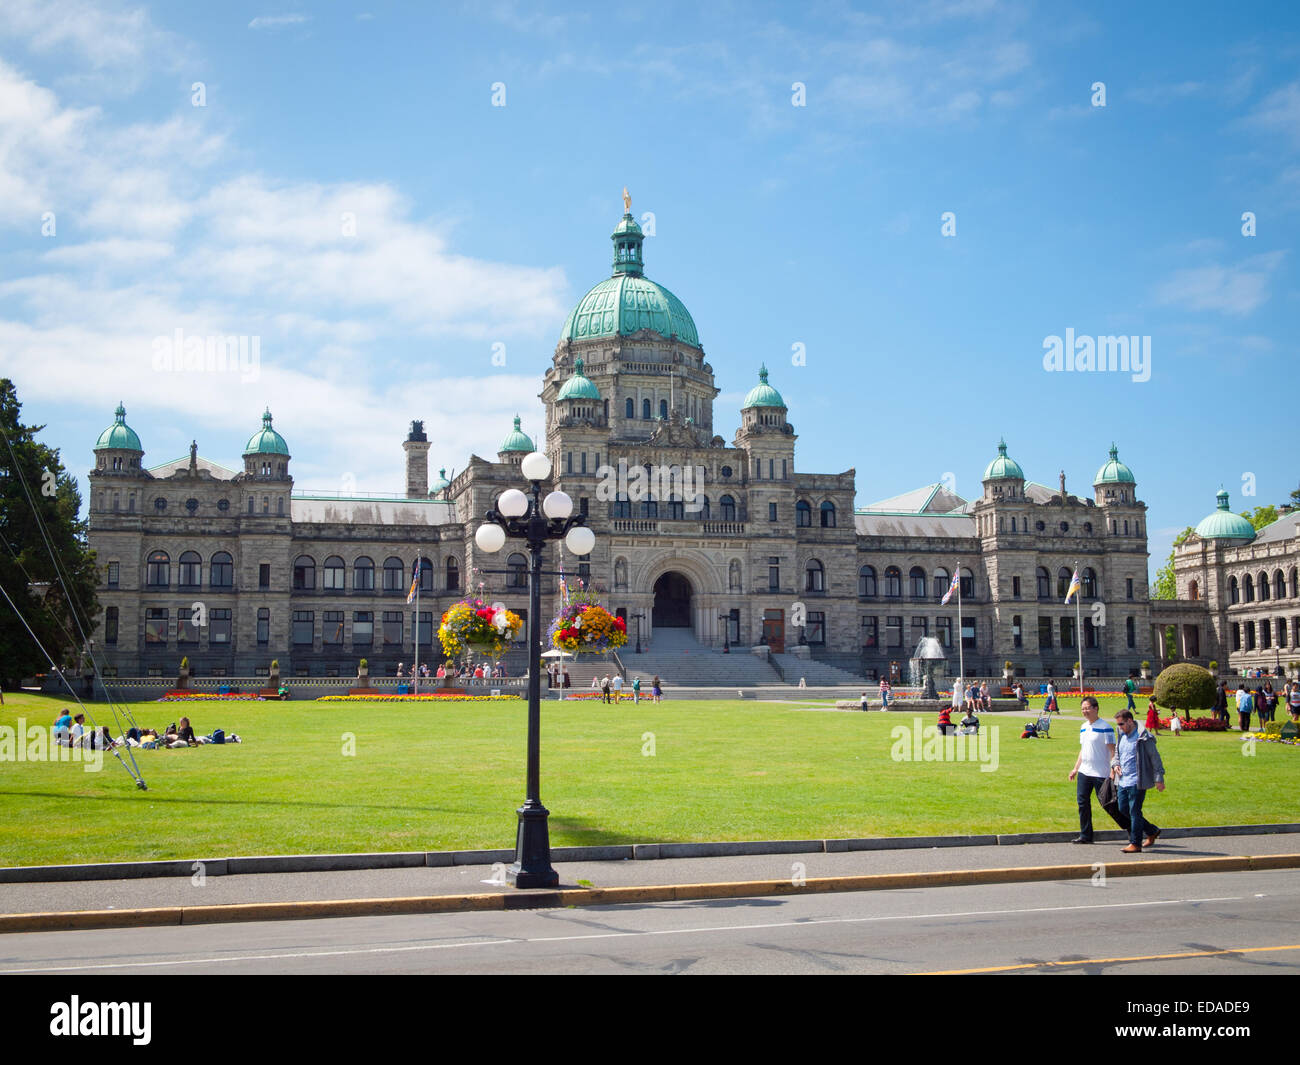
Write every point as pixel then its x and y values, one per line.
pixel 762 394
pixel 629 301
pixel 579 386
pixel 1225 525
pixel 267 441
pixel 441 483
pixel 1003 467
pixel 518 440
pixel 119 434
pixel 1114 472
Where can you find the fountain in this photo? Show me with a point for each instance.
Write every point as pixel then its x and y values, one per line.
pixel 928 653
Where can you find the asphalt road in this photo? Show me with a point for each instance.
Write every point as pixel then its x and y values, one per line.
pixel 1227 923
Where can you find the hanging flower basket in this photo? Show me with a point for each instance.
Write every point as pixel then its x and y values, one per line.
pixel 474 623
pixel 586 627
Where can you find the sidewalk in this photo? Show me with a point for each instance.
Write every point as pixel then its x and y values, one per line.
pixel 176 900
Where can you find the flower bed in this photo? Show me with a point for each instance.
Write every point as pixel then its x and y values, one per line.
pixel 624 696
pixel 1272 733
pixel 1197 724
pixel 203 697
pixel 411 698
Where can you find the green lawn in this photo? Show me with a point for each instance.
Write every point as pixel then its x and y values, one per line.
pixel 432 777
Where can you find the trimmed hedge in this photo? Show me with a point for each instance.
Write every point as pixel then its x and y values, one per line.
pixel 1184 686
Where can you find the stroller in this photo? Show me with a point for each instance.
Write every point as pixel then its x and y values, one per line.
pixel 1038 730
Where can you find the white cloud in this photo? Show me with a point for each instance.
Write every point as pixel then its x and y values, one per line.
pixel 273 22
pixel 1236 289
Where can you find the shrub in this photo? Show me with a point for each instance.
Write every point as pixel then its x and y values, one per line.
pixel 1184 686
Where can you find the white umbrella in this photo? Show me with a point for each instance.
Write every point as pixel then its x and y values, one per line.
pixel 556 653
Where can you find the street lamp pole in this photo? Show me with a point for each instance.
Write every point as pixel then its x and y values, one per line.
pixel 726 633
pixel 536 521
pixel 637 618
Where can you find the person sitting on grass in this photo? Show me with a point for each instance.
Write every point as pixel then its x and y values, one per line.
pixel 970 723
pixel 63 728
pixel 945 721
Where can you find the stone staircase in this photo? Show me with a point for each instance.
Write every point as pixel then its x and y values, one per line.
pixel 817 674
pixel 681 661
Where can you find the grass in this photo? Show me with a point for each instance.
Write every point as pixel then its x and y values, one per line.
pixel 434 777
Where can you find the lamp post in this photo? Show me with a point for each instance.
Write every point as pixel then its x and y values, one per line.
pixel 536 521
pixel 638 617
pixel 726 633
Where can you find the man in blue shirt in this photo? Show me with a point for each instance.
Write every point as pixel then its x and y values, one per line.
pixel 1137 768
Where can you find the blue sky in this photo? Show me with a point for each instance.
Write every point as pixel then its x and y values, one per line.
pixel 480 225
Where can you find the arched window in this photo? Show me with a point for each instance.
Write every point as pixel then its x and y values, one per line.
pixel 1279 585
pixel 1249 588
pixel 893 583
pixel 630 408
pixel 1044 583
pixel 394 574
pixel 942 579
pixel 1193 590
pixel 727 508
pixel 867 582
pixel 426 573
pixel 814 577
pixel 1263 586
pixel 1090 583
pixel 333 575
pixel 916 582
pixel 1295 582
pixel 304 573
pixel 803 514
pixel 1234 590
pixel 645 409
pixel 190 571
pixel 158 570
pixel 221 572
pixel 453 574
pixel 517 575
pixel 828 514
pixel 967 584
pixel 363 574
pixel 1062 582
pixel 704 508
pixel 663 409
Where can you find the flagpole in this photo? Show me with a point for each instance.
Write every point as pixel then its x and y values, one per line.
pixel 415 671
pixel 961 644
pixel 1078 626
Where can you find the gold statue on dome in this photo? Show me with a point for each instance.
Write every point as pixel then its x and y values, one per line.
pixel 627 200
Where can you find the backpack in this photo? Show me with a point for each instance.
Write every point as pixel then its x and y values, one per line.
pixel 218 735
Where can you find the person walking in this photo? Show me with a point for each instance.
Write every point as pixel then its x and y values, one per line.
pixel 884 694
pixel 1050 704
pixel 636 690
pixel 1153 717
pixel 565 682
pixel 1293 701
pixel 866 705
pixel 604 688
pixel 656 690
pixel 1136 768
pixel 617 685
pixel 1244 708
pixel 1093 765
pixel 1220 702
pixel 1129 689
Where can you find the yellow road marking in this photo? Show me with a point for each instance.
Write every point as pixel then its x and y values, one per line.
pixel 1103 961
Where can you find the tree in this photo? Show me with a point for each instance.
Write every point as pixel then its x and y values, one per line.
pixel 27 570
pixel 1185 687
pixel 1261 516
pixel 1166 587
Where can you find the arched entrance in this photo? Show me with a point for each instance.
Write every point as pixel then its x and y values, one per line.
pixel 672 609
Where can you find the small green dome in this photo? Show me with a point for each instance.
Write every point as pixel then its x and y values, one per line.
pixel 579 386
pixel 1114 472
pixel 1003 467
pixel 267 441
pixel 119 434
pixel 518 440
pixel 762 394
pixel 1225 525
pixel 441 483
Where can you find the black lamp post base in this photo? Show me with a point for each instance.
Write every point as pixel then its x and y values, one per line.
pixel 532 866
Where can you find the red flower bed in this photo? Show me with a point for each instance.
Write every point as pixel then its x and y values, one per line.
pixel 1198 724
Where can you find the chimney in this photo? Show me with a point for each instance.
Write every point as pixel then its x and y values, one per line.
pixel 416 446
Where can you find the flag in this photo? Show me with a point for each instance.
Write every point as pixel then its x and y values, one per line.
pixel 956 583
pixel 415 582
pixel 564 587
pixel 1074 586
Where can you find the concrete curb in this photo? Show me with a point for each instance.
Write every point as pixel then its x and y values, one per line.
pixel 330 863
pixel 548 899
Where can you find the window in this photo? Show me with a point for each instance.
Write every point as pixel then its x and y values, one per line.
pixel 1044 634
pixel 967 584
pixel 1067 633
pixel 363 628
pixel 304 573
pixel 584 574
pixel 453 575
pixel 1234 590
pixel 867 582
pixel 676 509
pixel 110 625
pixel 943 630
pixel 828 514
pixel 803 514
pixel 663 409
pixel 393 629
pixel 1044 583
pixel 221 572
pixel 920 630
pixel 645 409
pixel 264 626
pixel 517 577
pixel 155 625
pixel 783 475
pixel 916 582
pixel 1017 634
pixel 334 575
pixel 1265 632
pixel 264 575
pixel 1015 587
pixel 1279 585
pixel 219 627
pixel 968 633
pixel 304 623
pixel 1236 636
pixel 771 512
pixel 424 628
pixel 622 508
pixel 394 574
pixel 189 571
pixel 814 577
pixel 1249 584
pixel 332 631
pixel 1128 587
pixel 1250 636
pixel 1063 576
pixel 893 583
pixel 940 582
pixel 774 574
pixel 158 570
pixel 1295 582
pixel 187 629
pixel 1090 583
pixel 1263 587
pixel 1130 633
pixel 649 507
pixel 630 411
pixel 363 574
pixel 727 507
pixel 893 632
pixel 426 572
pixel 816 632
pixel 869 633
pixel 113 571
pixel 1089 632
pixel 1281 632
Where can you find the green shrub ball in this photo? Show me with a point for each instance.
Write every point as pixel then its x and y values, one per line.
pixel 1184 686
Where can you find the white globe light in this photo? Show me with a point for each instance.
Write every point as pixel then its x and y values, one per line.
pixel 536 466
pixel 513 503
pixel 580 540
pixel 557 505
pixel 490 538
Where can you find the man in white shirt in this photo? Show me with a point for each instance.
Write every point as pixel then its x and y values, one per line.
pixel 617 684
pixel 1096 749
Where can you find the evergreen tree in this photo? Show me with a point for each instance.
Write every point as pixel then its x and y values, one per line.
pixel 27 570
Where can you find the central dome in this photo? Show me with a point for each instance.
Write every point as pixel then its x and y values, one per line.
pixel 629 301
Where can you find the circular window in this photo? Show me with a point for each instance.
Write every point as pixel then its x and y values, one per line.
pixel 726 471
pixel 160 503
pixel 223 505
pixel 1065 526
pixel 1087 526
pixel 1039 526
pixel 191 504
